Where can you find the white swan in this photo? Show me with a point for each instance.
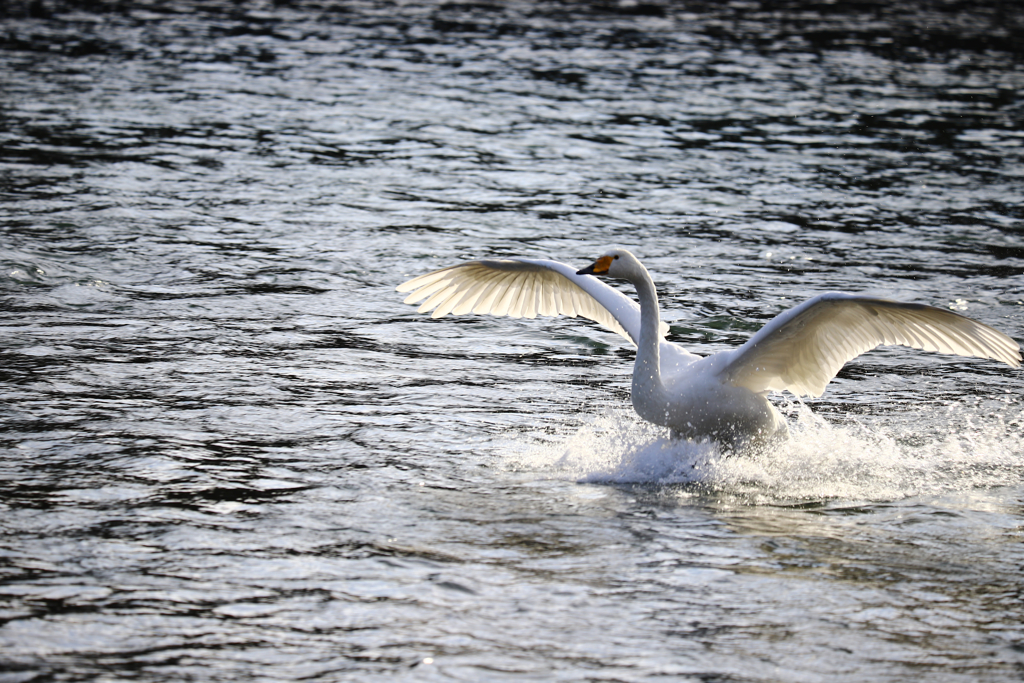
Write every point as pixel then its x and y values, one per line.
pixel 722 396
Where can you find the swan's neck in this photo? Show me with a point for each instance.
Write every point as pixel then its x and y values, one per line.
pixel 648 392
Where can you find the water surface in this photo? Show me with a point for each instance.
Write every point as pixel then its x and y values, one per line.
pixel 229 451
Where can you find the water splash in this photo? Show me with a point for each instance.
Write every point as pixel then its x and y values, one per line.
pixel 941 449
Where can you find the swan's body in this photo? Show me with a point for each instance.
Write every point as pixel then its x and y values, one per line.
pixel 722 396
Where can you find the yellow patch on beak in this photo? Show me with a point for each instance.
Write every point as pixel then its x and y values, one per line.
pixel 602 265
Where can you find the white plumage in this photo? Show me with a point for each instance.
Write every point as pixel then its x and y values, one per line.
pixel 721 396
pixel 802 349
pixel 522 288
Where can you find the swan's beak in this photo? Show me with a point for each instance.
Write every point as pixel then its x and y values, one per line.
pixel 598 267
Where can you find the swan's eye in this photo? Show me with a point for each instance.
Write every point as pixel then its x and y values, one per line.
pixel 616 257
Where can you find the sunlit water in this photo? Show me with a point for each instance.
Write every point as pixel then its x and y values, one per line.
pixel 229 451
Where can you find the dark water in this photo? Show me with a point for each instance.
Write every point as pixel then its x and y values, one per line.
pixel 229 451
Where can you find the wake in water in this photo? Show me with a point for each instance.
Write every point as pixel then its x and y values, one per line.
pixel 938 450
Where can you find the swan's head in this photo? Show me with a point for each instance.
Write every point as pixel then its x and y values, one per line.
pixel 618 263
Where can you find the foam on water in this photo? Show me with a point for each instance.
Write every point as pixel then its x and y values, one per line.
pixel 937 450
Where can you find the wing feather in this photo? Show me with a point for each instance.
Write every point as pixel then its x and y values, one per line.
pixel 488 297
pixel 550 306
pixel 530 297
pixel 524 288
pixel 802 349
pixel 438 297
pixel 508 297
pixel 565 302
pixel 473 295
pixel 449 304
pixel 425 291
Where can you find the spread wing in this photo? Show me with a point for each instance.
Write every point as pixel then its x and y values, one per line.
pixel 803 348
pixel 524 288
